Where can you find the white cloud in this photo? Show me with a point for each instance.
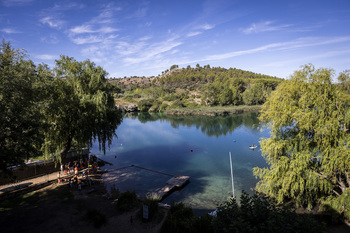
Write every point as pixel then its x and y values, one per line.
pixel 46 56
pixel 193 34
pixel 298 43
pixel 10 3
pixel 206 26
pixel 88 29
pixel 52 22
pixel 92 39
pixel 154 51
pixel 81 29
pixel 264 26
pixel 10 31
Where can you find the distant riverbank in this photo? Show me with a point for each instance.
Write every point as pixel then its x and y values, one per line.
pixel 213 111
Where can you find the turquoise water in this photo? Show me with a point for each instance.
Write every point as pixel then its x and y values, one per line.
pixel 197 146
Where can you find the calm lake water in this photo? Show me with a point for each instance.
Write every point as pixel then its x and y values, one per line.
pixel 197 146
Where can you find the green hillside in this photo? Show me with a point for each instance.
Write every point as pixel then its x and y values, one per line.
pixel 194 88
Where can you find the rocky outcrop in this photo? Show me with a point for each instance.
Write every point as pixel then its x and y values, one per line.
pixel 128 108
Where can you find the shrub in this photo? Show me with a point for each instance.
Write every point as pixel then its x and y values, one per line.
pixel 127 201
pixel 180 219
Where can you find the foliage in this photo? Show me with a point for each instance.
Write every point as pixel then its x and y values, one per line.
pixel 258 213
pixel 127 201
pixel 20 117
pixel 151 200
pixel 212 86
pixel 80 109
pixel 180 219
pixel 45 111
pixel 145 104
pixel 337 207
pixel 307 152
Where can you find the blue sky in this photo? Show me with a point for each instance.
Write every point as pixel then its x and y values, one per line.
pixel 144 38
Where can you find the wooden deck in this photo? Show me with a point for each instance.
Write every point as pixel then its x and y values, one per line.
pixel 176 182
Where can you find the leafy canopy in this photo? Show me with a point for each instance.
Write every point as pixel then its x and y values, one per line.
pixel 81 109
pixel 20 118
pixel 51 111
pixel 308 150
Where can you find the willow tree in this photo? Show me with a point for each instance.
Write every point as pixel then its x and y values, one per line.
pixel 80 108
pixel 307 152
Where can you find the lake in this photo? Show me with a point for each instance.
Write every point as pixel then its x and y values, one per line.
pixel 196 146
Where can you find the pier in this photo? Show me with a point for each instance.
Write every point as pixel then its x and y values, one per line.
pixel 176 182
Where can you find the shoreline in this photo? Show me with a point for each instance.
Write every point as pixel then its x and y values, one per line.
pixel 213 111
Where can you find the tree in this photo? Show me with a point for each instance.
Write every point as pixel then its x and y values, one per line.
pixel 80 108
pixel 19 114
pixel 308 150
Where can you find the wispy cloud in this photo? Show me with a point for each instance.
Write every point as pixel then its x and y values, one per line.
pixel 206 26
pixel 10 3
pixel 153 51
pixel 96 29
pixel 10 31
pixel 46 57
pixel 307 59
pixel 90 39
pixel 298 43
pixel 200 29
pixel 52 22
pixel 264 26
pixel 88 29
pixel 193 34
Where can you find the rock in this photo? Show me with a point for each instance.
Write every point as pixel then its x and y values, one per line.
pixel 128 108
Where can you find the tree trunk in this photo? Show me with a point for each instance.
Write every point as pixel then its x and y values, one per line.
pixel 66 147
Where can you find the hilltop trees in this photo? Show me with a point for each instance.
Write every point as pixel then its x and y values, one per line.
pixel 308 152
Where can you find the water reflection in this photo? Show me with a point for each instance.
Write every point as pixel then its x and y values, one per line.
pixel 197 146
pixel 211 126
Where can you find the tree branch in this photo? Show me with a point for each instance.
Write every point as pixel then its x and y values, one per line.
pixel 336 193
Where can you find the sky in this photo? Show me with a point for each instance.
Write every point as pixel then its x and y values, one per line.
pixel 145 38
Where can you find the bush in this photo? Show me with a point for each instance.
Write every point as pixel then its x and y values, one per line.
pixel 180 219
pixel 258 213
pixel 127 201
pixel 163 106
pixel 145 104
pixel 152 202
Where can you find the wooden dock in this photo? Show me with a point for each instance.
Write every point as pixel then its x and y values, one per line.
pixel 176 182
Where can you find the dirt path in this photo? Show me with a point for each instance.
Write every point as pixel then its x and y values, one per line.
pixel 59 208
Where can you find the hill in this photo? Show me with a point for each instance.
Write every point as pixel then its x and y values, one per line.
pixel 194 88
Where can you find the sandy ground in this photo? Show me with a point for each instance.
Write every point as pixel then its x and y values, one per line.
pixel 59 208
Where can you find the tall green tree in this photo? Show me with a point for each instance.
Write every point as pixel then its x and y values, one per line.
pixel 80 108
pixel 19 115
pixel 307 152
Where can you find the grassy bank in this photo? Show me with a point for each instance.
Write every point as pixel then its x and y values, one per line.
pixel 213 111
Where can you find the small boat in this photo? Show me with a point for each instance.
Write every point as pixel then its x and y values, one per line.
pixel 253 147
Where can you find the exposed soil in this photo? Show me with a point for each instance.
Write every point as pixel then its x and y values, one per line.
pixel 59 208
